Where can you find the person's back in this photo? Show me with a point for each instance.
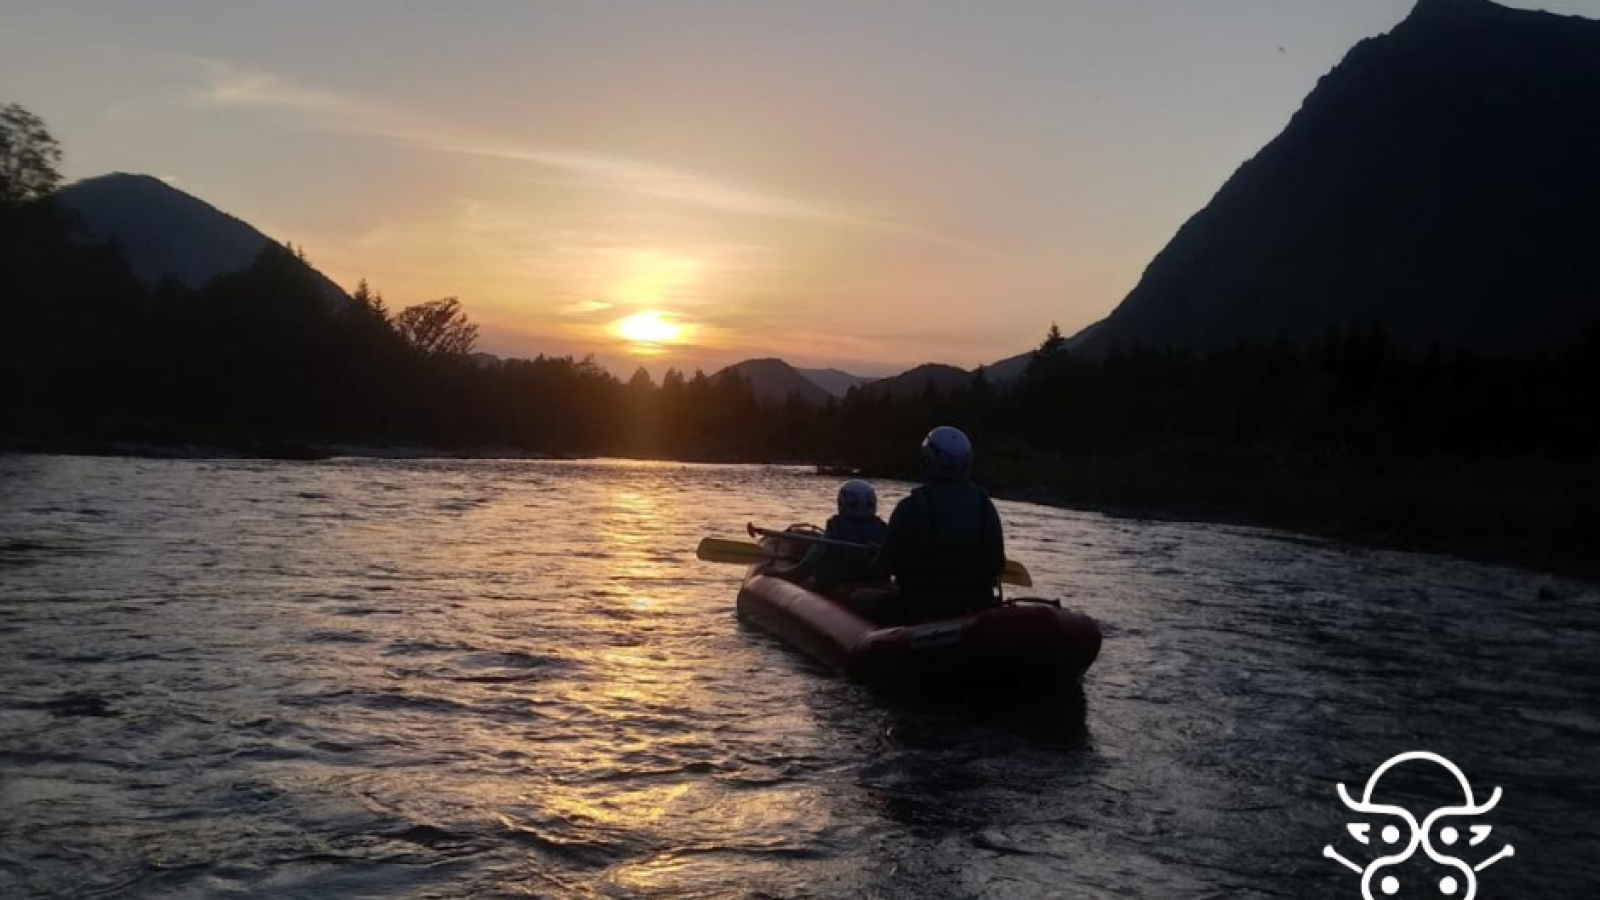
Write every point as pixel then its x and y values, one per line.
pixel 834 566
pixel 946 546
pixel 827 567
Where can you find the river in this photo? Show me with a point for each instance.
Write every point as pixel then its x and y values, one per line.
pixel 439 679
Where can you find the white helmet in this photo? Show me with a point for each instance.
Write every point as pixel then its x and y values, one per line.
pixel 947 453
pixel 857 499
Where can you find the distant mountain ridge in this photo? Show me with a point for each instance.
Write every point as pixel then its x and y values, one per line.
pixel 166 233
pixel 1008 370
pixel 914 382
pixel 834 381
pixel 1442 181
pixel 774 380
pixel 946 378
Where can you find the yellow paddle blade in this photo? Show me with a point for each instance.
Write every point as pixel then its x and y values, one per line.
pixel 1015 573
pixel 739 553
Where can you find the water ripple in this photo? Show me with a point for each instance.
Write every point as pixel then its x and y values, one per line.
pixel 438 679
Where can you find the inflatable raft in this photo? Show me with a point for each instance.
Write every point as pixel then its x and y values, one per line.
pixel 1025 643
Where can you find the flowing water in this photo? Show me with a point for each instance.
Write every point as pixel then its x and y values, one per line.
pixel 367 678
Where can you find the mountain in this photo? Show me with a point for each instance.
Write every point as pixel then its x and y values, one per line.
pixel 834 381
pixel 776 380
pixel 1008 370
pixel 1443 181
pixel 166 233
pixel 1084 334
pixel 914 382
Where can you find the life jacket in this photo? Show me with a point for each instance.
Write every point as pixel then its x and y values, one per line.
pixel 857 530
pixel 838 565
pixel 947 542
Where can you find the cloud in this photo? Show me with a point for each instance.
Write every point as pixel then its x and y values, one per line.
pixel 668 183
pixel 233 87
pixel 583 308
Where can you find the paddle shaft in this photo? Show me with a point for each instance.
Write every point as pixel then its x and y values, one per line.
pixel 810 539
pixel 1013 573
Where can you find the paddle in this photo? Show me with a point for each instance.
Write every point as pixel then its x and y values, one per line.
pixel 739 553
pixel 807 538
pixel 1013 573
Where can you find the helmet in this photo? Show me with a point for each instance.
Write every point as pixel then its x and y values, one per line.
pixel 947 454
pixel 857 499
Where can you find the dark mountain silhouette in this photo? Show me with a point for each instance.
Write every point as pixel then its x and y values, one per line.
pixel 834 381
pixel 1443 182
pixel 913 383
pixel 946 379
pixel 166 233
pixel 775 380
pixel 1008 370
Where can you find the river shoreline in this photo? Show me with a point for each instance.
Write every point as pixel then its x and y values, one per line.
pixel 1355 526
pixel 1326 529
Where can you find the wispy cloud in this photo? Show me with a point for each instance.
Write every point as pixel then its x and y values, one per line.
pixel 583 307
pixel 232 87
pixel 651 179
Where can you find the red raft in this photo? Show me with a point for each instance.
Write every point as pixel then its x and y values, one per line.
pixel 1030 644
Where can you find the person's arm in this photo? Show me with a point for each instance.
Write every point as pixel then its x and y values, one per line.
pixel 892 554
pixel 876 565
pixel 994 543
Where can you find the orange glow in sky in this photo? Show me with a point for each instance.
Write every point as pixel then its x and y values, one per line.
pixel 868 186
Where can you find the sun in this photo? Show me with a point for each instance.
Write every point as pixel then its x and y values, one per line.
pixel 648 331
pixel 649 328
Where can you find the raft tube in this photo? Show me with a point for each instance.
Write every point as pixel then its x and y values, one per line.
pixel 1024 644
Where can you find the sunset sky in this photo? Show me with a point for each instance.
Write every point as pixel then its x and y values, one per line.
pixel 861 184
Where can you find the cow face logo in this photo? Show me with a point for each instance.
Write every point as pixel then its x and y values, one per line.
pixel 1377 822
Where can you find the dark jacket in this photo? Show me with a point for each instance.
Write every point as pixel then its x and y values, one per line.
pixel 833 566
pixel 945 544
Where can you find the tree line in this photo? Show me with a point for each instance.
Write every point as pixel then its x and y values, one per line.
pixel 1352 428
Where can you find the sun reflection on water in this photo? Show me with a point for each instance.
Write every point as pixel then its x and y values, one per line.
pixel 443 679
